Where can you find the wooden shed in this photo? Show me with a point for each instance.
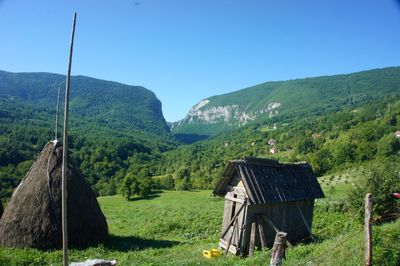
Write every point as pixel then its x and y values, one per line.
pixel 275 196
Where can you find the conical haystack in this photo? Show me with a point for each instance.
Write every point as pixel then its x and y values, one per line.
pixel 32 217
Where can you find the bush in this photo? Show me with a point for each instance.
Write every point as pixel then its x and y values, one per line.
pixel 132 185
pixel 381 179
pixel 165 182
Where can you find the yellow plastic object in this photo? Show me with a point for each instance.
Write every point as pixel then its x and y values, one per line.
pixel 212 253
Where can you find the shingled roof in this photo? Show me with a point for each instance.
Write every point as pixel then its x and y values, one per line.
pixel 269 181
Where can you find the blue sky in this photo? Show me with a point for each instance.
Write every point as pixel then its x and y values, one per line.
pixel 187 50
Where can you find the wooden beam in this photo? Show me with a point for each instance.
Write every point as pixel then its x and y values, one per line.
pixel 234 199
pixel 276 229
pixel 224 245
pixel 230 238
pixel 368 229
pixel 261 232
pixel 65 152
pixel 232 220
pixel 252 238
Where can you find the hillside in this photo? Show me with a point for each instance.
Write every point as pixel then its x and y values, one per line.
pixel 330 143
pixel 112 127
pixel 109 104
pixel 285 101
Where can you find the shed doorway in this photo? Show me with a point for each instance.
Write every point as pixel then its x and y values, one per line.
pixel 232 231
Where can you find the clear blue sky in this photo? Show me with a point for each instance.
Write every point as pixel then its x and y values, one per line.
pixel 187 50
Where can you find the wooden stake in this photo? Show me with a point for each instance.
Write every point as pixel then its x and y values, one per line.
pixel 252 238
pixel 57 111
pixel 368 229
pixel 278 250
pixel 261 232
pixel 65 152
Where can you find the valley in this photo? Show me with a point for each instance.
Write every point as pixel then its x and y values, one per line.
pixel 154 182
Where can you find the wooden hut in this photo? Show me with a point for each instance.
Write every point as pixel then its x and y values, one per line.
pixel 274 196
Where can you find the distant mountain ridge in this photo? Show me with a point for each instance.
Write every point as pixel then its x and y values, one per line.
pixel 282 101
pixel 110 104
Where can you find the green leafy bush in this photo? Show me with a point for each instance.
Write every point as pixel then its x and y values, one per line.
pixel 381 179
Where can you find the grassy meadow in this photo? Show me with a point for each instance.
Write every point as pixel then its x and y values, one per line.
pixel 172 228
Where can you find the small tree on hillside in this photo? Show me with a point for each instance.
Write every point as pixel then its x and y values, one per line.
pixel 382 179
pixel 129 186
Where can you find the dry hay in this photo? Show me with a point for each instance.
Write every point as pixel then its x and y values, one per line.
pixel 32 217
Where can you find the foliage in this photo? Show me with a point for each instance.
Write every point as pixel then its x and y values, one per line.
pixel 135 185
pixel 381 179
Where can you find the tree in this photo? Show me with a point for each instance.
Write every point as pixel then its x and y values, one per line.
pixel 388 145
pixel 129 186
pixel 381 179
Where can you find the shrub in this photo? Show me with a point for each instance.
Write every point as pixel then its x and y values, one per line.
pixel 381 179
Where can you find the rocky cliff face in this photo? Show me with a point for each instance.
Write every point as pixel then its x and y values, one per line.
pixel 206 113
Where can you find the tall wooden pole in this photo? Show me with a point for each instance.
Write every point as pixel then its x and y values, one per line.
pixel 65 152
pixel 368 229
pixel 57 111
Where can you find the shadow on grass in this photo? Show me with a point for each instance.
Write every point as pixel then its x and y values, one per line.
pixel 149 197
pixel 126 243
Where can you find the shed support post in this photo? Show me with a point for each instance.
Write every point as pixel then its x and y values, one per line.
pixel 261 232
pixel 252 238
pixel 368 229
pixel 278 250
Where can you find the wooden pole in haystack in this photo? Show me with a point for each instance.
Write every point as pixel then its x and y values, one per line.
pixel 57 111
pixel 65 152
pixel 368 230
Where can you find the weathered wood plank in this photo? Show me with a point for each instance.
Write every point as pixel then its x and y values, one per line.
pixel 224 245
pixel 261 232
pixel 232 220
pixel 252 238
pixel 234 199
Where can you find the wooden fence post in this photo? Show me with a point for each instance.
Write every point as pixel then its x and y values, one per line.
pixel 278 250
pixel 368 229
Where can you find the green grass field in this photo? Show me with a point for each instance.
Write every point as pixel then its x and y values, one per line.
pixel 172 228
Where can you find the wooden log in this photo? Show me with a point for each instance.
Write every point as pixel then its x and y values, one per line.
pixel 64 208
pixel 278 250
pixel 261 232
pixel 368 229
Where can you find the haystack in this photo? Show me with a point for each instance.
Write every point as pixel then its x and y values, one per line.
pixel 32 217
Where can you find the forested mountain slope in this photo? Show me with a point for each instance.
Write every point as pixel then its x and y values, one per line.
pixel 112 126
pixel 285 101
pixel 330 143
pixel 109 104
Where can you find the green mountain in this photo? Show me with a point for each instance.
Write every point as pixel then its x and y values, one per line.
pixel 113 127
pixel 286 101
pixel 109 104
